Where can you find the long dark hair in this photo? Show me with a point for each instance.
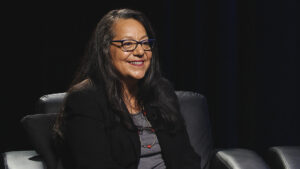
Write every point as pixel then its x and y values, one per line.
pixel 97 66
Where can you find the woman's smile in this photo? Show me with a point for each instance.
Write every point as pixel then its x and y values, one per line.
pixel 137 63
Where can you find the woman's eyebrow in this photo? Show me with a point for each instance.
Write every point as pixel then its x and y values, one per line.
pixel 145 36
pixel 131 38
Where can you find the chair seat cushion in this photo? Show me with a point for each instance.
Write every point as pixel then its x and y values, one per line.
pixel 22 160
pixel 282 157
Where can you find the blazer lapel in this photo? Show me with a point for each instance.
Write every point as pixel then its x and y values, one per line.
pixel 134 138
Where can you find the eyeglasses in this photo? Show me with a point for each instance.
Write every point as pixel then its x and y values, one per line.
pixel 131 45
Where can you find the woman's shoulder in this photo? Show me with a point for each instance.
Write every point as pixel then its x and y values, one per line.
pixel 85 99
pixel 83 92
pixel 83 86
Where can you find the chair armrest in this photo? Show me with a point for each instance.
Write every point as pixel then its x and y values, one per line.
pixel 237 159
pixel 282 157
pixel 22 160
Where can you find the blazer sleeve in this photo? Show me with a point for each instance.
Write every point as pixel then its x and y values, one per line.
pixel 84 133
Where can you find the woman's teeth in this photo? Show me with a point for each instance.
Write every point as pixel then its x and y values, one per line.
pixel 136 62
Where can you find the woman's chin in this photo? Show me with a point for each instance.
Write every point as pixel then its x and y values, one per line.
pixel 137 76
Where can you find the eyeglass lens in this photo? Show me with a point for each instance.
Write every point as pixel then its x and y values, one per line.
pixel 131 45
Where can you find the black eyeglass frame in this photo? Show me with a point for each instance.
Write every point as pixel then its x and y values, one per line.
pixel 137 43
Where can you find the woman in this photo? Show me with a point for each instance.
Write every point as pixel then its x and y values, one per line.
pixel 120 112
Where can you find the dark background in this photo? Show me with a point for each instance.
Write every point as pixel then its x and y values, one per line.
pixel 243 55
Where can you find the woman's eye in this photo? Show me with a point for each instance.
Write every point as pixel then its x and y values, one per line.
pixel 127 43
pixel 146 42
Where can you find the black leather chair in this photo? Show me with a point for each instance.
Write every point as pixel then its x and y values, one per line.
pixel 284 157
pixel 194 110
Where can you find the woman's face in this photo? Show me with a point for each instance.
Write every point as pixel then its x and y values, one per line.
pixel 134 64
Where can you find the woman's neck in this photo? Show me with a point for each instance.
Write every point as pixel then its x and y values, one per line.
pixel 129 96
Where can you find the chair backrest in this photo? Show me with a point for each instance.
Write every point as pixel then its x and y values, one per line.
pixel 50 103
pixel 39 130
pixel 193 108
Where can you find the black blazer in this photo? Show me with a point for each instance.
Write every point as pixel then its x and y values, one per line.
pixel 90 144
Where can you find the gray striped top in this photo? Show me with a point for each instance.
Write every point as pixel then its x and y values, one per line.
pixel 150 158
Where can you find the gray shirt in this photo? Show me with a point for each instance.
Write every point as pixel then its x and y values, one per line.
pixel 150 157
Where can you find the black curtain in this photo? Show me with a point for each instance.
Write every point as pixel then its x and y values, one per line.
pixel 241 54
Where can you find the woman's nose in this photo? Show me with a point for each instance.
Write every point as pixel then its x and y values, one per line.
pixel 139 51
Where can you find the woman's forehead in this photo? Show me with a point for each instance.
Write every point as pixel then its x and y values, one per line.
pixel 129 28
